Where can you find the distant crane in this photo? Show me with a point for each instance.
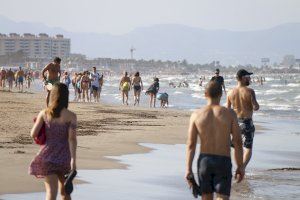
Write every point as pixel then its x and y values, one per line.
pixel 132 49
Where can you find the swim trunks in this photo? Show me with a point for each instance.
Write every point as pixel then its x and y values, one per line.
pixel 137 88
pixel 95 88
pixel 214 173
pixel 20 79
pixel 247 131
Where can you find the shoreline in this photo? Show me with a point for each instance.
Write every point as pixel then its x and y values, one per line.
pixel 100 128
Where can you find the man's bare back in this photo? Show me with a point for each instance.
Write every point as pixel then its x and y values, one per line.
pixel 53 71
pixel 214 124
pixel 243 101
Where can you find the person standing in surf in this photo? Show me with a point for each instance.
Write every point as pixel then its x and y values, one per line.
pixel 213 125
pixel 243 101
pixel 124 86
pixel 137 88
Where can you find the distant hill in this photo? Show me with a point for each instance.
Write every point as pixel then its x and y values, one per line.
pixel 177 42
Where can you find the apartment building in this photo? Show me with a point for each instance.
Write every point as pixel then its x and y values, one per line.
pixel 35 46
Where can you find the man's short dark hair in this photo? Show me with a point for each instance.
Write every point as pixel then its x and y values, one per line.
pixel 57 60
pixel 213 89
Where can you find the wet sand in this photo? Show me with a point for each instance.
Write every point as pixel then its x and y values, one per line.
pixel 103 130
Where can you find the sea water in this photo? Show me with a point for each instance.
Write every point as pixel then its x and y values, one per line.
pixel 159 174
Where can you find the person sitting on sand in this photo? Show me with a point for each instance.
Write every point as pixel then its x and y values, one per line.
pixel 54 73
pixel 137 87
pixel 213 125
pixel 243 101
pixel 124 86
pixel 152 91
pixel 57 157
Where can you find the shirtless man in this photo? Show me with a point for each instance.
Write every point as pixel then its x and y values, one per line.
pixel 10 78
pixel 125 87
pixel 214 124
pixel 243 101
pixel 20 78
pixel 54 74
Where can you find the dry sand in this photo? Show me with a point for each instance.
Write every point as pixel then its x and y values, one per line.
pixel 103 130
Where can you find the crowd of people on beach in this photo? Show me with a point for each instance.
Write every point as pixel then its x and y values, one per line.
pixel 16 78
pixel 218 128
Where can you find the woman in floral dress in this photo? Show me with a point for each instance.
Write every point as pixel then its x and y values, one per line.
pixel 57 156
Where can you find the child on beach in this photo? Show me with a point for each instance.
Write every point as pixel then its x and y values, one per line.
pixel 164 99
pixel 57 157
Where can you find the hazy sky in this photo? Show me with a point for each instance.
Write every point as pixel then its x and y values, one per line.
pixel 121 16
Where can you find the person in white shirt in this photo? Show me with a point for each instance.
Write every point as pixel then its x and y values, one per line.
pixel 94 76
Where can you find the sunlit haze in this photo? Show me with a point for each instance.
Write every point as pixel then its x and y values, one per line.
pixel 122 16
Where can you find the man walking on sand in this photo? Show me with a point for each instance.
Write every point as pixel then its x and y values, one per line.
pixel 20 78
pixel 214 124
pixel 95 77
pixel 54 74
pixel 243 101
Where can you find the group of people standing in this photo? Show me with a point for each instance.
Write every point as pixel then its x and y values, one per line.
pixel 87 85
pixel 127 83
pixel 19 77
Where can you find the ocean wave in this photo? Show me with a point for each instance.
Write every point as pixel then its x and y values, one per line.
pixel 297 97
pixel 293 85
pixel 274 91
pixel 198 96
pixel 277 85
pixel 178 92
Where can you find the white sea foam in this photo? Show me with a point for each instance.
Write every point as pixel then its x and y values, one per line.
pixel 274 91
pixel 277 85
pixel 178 92
pixel 293 85
pixel 297 97
pixel 198 96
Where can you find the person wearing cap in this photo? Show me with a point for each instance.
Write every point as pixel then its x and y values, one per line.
pixel 243 100
pixel 219 79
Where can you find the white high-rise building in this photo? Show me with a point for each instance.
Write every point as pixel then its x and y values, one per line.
pixel 41 46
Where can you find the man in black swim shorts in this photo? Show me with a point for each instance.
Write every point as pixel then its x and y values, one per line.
pixel 214 125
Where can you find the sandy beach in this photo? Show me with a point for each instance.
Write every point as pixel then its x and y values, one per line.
pixel 103 130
